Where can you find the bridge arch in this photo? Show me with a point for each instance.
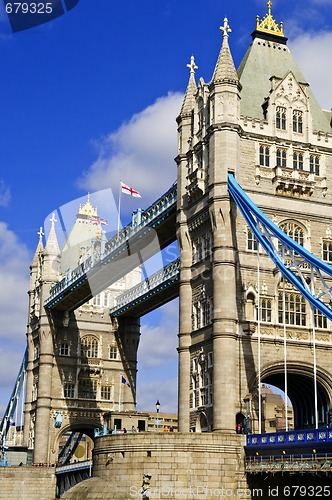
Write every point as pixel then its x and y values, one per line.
pixel 87 429
pixel 300 390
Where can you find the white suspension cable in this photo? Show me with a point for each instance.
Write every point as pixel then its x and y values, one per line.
pixel 259 345
pixel 314 346
pixel 285 350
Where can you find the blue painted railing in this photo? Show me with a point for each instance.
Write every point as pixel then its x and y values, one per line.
pixel 321 435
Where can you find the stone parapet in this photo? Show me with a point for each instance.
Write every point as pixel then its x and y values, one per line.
pixel 165 465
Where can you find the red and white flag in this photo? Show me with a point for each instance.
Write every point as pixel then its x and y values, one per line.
pixel 97 220
pixel 128 190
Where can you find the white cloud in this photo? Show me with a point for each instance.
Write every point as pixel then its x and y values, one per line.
pixel 14 269
pixel 159 342
pixel 4 194
pixel 140 153
pixel 158 360
pixel 312 53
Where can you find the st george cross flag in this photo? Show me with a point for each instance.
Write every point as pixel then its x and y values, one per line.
pixel 97 220
pixel 128 190
pixel 124 381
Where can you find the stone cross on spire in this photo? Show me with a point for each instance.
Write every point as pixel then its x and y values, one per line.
pixel 192 66
pixel 53 219
pixel 225 30
pixel 40 233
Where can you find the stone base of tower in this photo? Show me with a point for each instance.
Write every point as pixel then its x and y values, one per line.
pixel 171 465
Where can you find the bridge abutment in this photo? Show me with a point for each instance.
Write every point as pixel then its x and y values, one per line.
pixel 179 465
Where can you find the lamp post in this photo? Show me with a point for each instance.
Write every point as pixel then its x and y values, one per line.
pixel 157 408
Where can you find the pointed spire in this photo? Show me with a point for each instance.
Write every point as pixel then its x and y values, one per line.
pixel 225 69
pixel 189 98
pixel 39 249
pixel 52 245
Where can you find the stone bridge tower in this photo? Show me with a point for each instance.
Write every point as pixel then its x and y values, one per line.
pixel 80 363
pixel 262 123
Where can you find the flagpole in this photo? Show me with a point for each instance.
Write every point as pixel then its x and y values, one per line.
pixel 120 392
pixel 119 208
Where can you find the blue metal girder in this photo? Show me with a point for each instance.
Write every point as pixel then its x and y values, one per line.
pixel 265 231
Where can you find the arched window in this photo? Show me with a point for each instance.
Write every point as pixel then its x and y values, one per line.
pixel 297 121
pixel 281 118
pixel 297 161
pixel 281 158
pixel 266 310
pixel 294 231
pixel 89 347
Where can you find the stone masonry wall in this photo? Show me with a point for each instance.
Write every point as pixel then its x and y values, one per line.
pixel 27 483
pixel 179 465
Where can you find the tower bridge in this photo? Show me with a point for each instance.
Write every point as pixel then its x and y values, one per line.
pixel 254 291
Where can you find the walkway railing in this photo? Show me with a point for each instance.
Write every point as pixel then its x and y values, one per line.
pixel 150 286
pixel 290 437
pixel 150 218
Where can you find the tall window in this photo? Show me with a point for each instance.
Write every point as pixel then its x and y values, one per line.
pixel 113 352
pixel 314 164
pixel 297 161
pixel 295 308
pixel 252 244
pixel 327 251
pixel 297 121
pixel 264 156
pixel 105 392
pixel 266 310
pixel 320 320
pixel 69 390
pixel 281 158
pixel 87 388
pixel 281 118
pixel 64 349
pixel 201 314
pixel 89 347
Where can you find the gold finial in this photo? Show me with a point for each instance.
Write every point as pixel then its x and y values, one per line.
pixel 87 209
pixel 268 24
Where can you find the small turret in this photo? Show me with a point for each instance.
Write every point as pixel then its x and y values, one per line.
pixel 225 70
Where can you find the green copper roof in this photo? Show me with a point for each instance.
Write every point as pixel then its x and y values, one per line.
pixel 263 60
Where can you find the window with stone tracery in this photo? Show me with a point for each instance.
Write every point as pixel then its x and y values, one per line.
pixel 69 390
pixel 320 320
pixel 89 347
pixel 113 352
pixel 202 380
pixel 295 308
pixel 281 158
pixel 105 392
pixel 281 118
pixel 297 121
pixel 297 161
pixel 87 388
pixel 294 231
pixel 202 310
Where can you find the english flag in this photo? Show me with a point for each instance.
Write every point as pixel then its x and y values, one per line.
pixel 128 190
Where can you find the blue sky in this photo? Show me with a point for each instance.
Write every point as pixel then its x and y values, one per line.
pixel 92 97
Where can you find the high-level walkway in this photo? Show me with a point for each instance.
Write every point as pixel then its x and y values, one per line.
pixel 114 258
